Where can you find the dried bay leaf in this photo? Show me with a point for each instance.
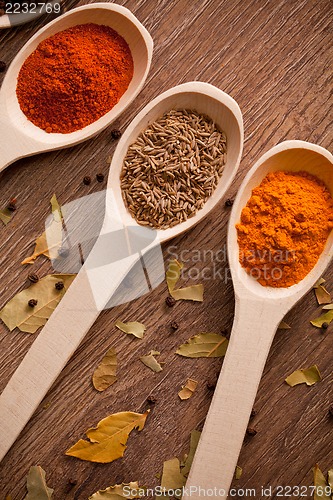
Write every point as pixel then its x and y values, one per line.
pixel 328 307
pixel 204 345
pixel 5 215
pixel 308 376
pixel 17 313
pixel 172 478
pixel 188 389
pixel 132 327
pixel 53 235
pixel 322 295
pixel 55 209
pixel 105 373
pixel 319 481
pixel 107 441
pixel 238 472
pixel 36 485
pixel 284 326
pixel 195 436
pixel 150 361
pixel 173 274
pixel 330 479
pixel 324 318
pixel 119 491
pixel 319 282
pixel 194 292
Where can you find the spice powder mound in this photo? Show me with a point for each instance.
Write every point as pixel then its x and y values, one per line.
pixel 173 168
pixel 74 77
pixel 284 227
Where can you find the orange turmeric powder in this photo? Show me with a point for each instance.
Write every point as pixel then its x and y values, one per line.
pixel 284 227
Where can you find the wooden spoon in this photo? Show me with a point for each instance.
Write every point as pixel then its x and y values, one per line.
pixel 95 284
pixel 258 313
pixel 19 136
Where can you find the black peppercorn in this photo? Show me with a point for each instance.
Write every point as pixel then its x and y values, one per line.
pixel 87 180
pixel 170 301
pixel 115 134
pixel 3 66
pixel 12 205
pixel 174 325
pixel 330 411
pixel 100 177
pixel 63 252
pixel 70 485
pixel 32 302
pixel 59 285
pixel 325 325
pixel 228 203
pixel 211 384
pixel 151 399
pixel 250 431
pixel 253 413
pixel 33 277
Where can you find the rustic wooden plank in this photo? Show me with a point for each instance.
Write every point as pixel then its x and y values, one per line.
pixel 274 59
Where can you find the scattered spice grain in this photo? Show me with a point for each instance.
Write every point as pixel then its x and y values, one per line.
pixel 59 285
pixel 170 301
pixel 228 203
pixel 174 325
pixel 253 413
pixel 100 177
pixel 172 168
pixel 87 180
pixel 32 302
pixel 325 325
pixel 330 411
pixel 33 277
pixel 3 66
pixel 151 399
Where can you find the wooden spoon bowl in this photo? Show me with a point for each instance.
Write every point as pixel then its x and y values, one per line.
pixel 205 99
pixel 258 312
pixel 19 136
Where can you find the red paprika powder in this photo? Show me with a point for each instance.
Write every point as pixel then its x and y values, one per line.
pixel 74 77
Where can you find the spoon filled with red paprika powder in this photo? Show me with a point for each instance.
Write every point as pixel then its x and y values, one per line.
pixel 72 79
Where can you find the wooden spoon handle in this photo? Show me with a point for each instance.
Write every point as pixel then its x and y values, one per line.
pixel 55 344
pixel 223 433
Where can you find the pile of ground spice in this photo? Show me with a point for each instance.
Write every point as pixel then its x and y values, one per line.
pixel 284 227
pixel 74 77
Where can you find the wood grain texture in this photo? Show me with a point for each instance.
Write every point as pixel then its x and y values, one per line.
pixel 274 59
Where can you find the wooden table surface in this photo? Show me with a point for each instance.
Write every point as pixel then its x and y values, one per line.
pixel 274 58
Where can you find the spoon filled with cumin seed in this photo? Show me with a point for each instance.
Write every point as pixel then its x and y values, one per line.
pixel 207 178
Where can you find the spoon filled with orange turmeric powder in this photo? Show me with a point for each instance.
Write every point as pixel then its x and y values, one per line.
pixel 279 243
pixel 72 79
